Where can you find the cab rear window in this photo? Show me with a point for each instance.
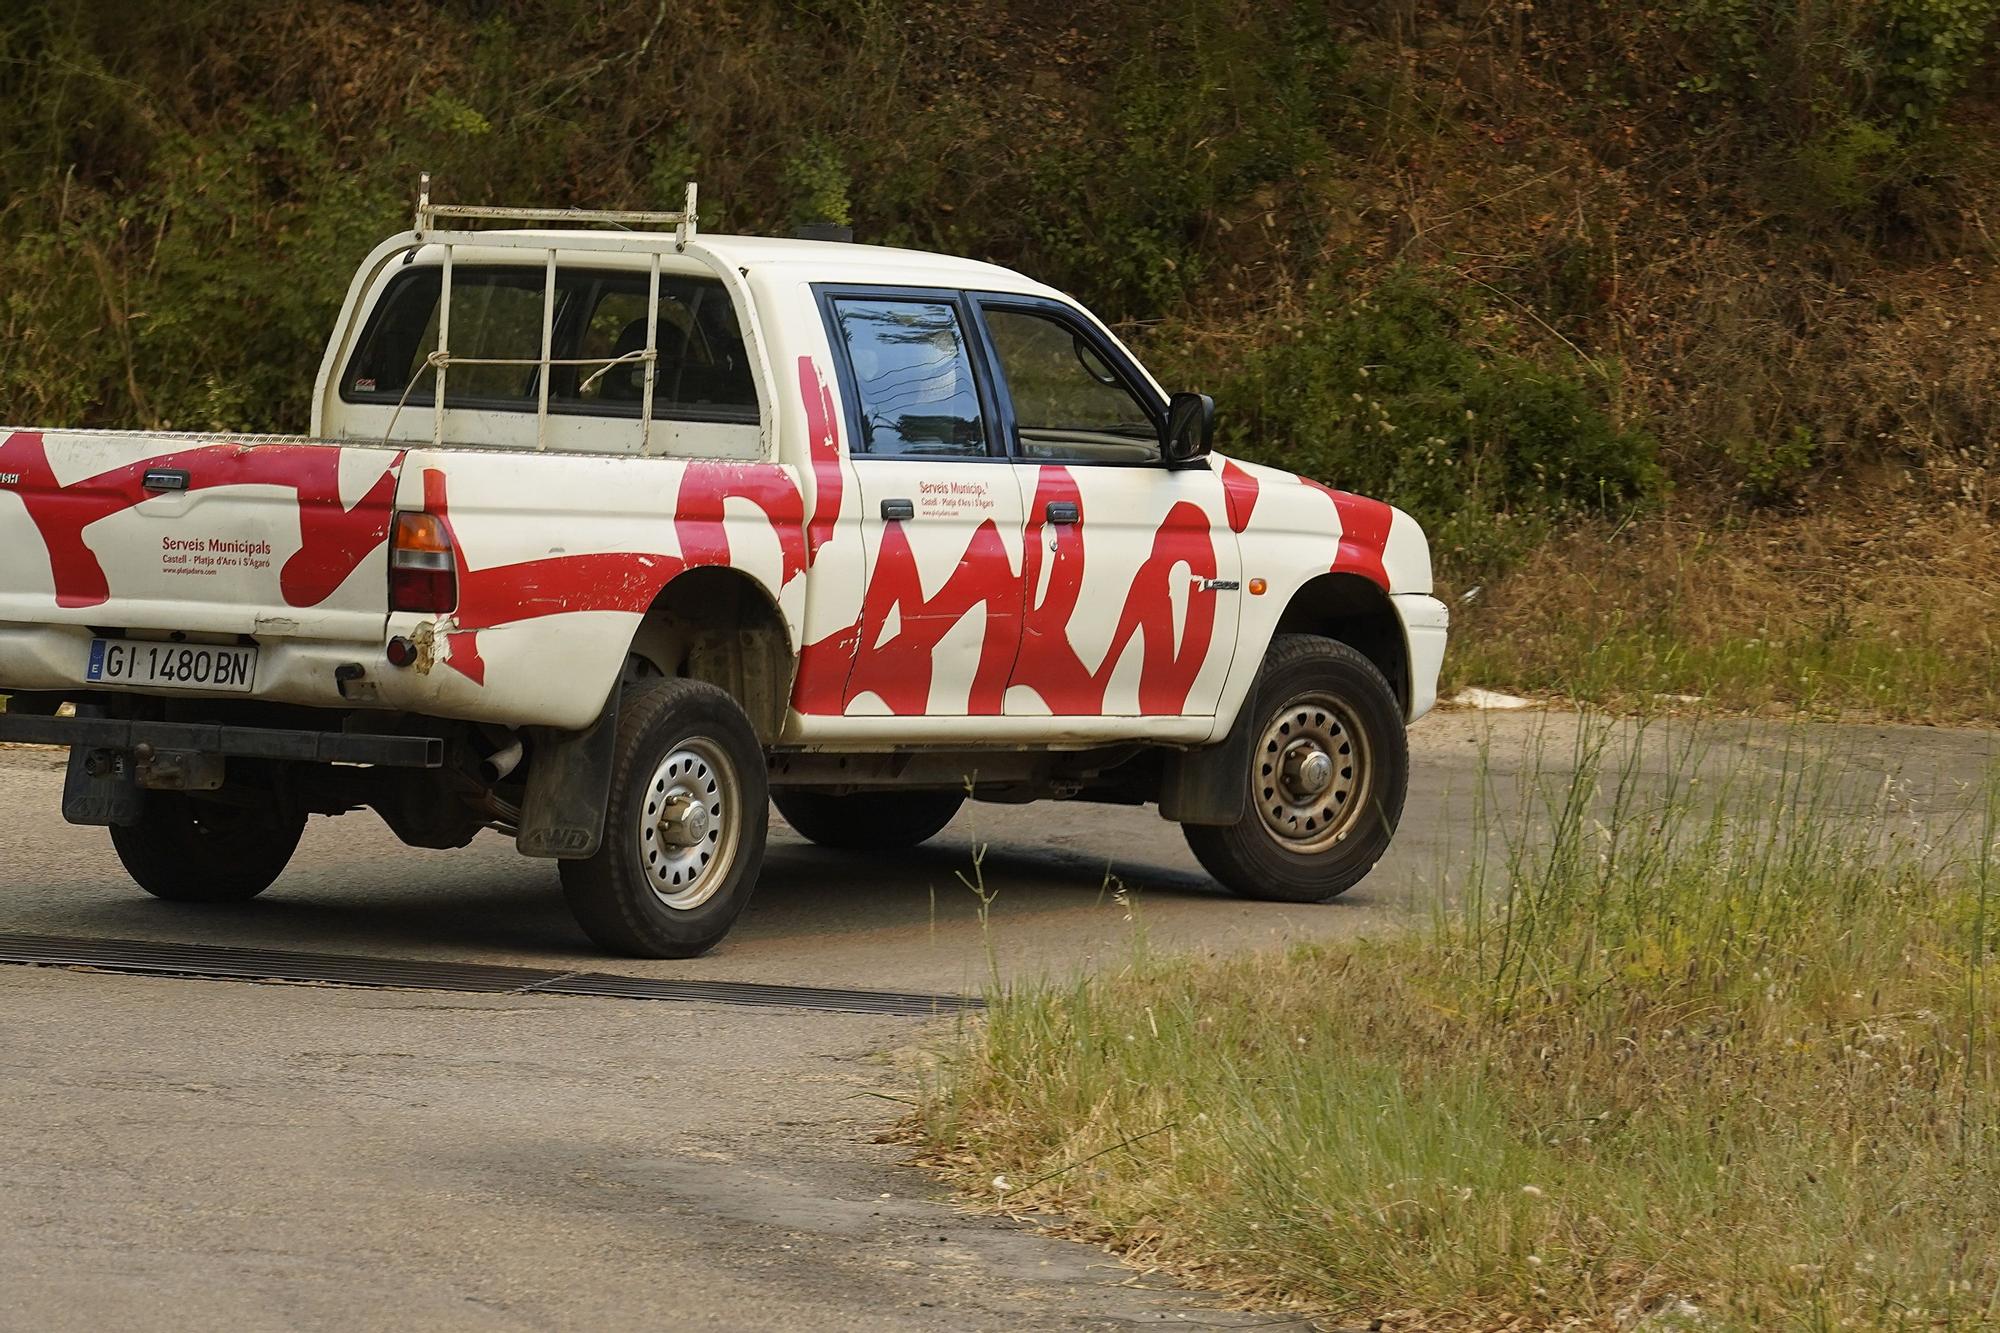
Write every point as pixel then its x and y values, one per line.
pixel 701 372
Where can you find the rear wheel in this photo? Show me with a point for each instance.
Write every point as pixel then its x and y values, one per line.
pixel 684 828
pixel 1327 776
pixel 869 821
pixel 190 851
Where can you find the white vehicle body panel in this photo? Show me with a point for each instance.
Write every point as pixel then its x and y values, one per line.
pixel 980 622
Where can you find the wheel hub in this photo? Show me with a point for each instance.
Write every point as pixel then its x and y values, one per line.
pixel 1312 773
pixel 1308 770
pixel 683 822
pixel 687 833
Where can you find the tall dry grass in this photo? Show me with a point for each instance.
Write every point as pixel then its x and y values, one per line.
pixel 1882 605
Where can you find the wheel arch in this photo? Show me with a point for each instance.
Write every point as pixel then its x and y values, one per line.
pixel 722 626
pixel 1357 612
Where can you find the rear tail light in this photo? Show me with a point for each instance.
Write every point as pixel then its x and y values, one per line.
pixel 422 573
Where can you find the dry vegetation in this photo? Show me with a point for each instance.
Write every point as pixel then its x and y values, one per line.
pixel 1876 606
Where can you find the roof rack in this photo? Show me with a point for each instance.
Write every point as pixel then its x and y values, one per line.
pixel 683 223
pixel 442 358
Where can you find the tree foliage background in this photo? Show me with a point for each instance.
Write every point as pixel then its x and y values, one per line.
pixel 1511 266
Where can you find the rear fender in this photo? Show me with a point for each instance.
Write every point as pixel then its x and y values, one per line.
pixel 721 626
pixel 564 562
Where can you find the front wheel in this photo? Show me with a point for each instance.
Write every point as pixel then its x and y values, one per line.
pixel 683 829
pixel 1327 776
pixel 191 851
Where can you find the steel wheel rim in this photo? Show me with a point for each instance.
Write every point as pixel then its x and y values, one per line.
pixel 1311 774
pixel 690 818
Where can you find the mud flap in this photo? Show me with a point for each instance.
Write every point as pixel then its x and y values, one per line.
pixel 569 783
pixel 102 788
pixel 1211 785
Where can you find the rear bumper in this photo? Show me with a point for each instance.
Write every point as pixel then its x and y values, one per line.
pixel 553 671
pixel 318 747
pixel 1425 622
pixel 53 658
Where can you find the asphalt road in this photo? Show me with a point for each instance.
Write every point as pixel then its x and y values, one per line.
pixel 184 1154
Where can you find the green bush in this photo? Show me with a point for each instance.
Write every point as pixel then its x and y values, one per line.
pixel 1404 393
pixel 1898 62
pixel 1837 112
pixel 1926 52
pixel 818 180
pixel 1772 470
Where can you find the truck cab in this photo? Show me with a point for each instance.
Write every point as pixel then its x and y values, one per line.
pixel 601 537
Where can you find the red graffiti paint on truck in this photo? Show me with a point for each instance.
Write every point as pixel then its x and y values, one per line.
pixel 333 538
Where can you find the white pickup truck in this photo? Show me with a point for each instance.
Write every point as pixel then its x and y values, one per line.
pixel 607 539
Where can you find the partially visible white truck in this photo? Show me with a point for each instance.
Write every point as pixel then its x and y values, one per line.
pixel 601 536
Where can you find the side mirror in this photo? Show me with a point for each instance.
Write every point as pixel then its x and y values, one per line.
pixel 1190 429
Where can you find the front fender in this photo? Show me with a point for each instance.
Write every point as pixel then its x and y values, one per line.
pixel 1293 531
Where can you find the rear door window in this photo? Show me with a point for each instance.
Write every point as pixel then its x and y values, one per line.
pixel 913 378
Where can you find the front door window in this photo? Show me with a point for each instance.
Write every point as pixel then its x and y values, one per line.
pixel 1069 404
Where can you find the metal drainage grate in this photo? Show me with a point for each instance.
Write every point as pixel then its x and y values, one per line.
pixel 216 961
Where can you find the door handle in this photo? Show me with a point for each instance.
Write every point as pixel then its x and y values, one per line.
pixel 1063 511
pixel 165 479
pixel 896 510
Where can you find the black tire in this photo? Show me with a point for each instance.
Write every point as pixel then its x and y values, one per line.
pixel 868 821
pixel 677 740
pixel 190 851
pixel 1296 843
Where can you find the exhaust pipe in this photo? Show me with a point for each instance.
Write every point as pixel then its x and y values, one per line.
pixel 496 766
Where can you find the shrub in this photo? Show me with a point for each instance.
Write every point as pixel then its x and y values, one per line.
pixel 1836 111
pixel 1405 392
pixel 818 181
pixel 1926 53
pixel 1801 62
pixel 1772 470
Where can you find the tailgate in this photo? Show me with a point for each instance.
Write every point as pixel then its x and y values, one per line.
pixel 130 530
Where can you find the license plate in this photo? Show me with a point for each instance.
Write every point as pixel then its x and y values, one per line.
pixel 172 666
